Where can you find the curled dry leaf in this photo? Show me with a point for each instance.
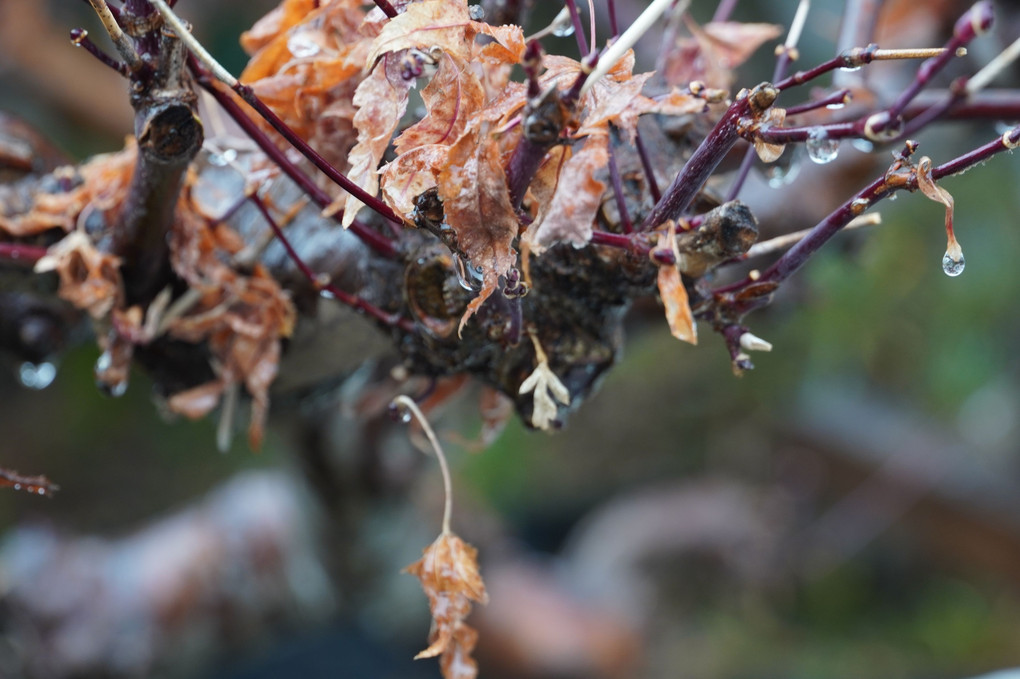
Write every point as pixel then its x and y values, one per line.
pixel 448 571
pixel 712 51
pixel 99 185
pixel 242 318
pixel 381 99
pixel 307 60
pixel 447 25
pixel 933 191
pixel 674 294
pixel 569 216
pixel 89 279
pixel 476 203
pixel 770 152
pixel 452 98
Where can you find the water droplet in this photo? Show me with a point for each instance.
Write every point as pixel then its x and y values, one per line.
pixel 104 361
pixel 563 28
pixel 820 148
pixel 115 390
pixel 862 145
pixel 17 486
pixel 893 196
pixel 225 158
pixel 1004 126
pixel 782 172
pixel 326 294
pixel 953 261
pixel 37 375
pixel 835 106
pixel 849 69
pixel 302 45
pixel 400 413
pixel 476 12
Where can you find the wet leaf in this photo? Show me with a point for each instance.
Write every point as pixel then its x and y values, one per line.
pixel 477 206
pixel 447 25
pixel 569 216
pixel 89 279
pixel 766 151
pixel 448 571
pixel 674 294
pixel 452 99
pixel 381 99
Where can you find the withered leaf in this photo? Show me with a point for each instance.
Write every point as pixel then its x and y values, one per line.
pixel 766 151
pixel 452 98
pixel 712 51
pixel 410 175
pixel 733 42
pixel 102 187
pixel 674 294
pixel 381 99
pixel 448 571
pixel 476 202
pixel 447 25
pixel 569 216
pixel 89 279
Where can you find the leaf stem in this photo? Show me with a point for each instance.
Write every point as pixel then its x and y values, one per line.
pixel 407 402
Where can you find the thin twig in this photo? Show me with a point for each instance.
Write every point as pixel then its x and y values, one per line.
pixel 407 402
pixel 120 39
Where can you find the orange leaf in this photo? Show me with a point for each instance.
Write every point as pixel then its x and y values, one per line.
pixel 411 174
pixel 452 98
pixel 381 99
pixel 445 24
pixel 477 206
pixel 568 217
pixel 674 294
pixel 448 571
pixel 89 279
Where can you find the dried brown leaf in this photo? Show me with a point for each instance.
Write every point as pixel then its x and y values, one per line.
pixel 569 216
pixel 674 294
pixel 447 25
pixel 448 571
pixel 381 99
pixel 100 184
pixel 452 98
pixel 411 174
pixel 766 151
pixel 89 279
pixel 733 42
pixel 476 202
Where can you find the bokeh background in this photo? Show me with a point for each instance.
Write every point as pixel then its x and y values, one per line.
pixel 849 508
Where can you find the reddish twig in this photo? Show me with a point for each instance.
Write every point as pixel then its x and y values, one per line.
pixel 372 238
pixel 22 253
pixel 386 8
pixel 353 301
